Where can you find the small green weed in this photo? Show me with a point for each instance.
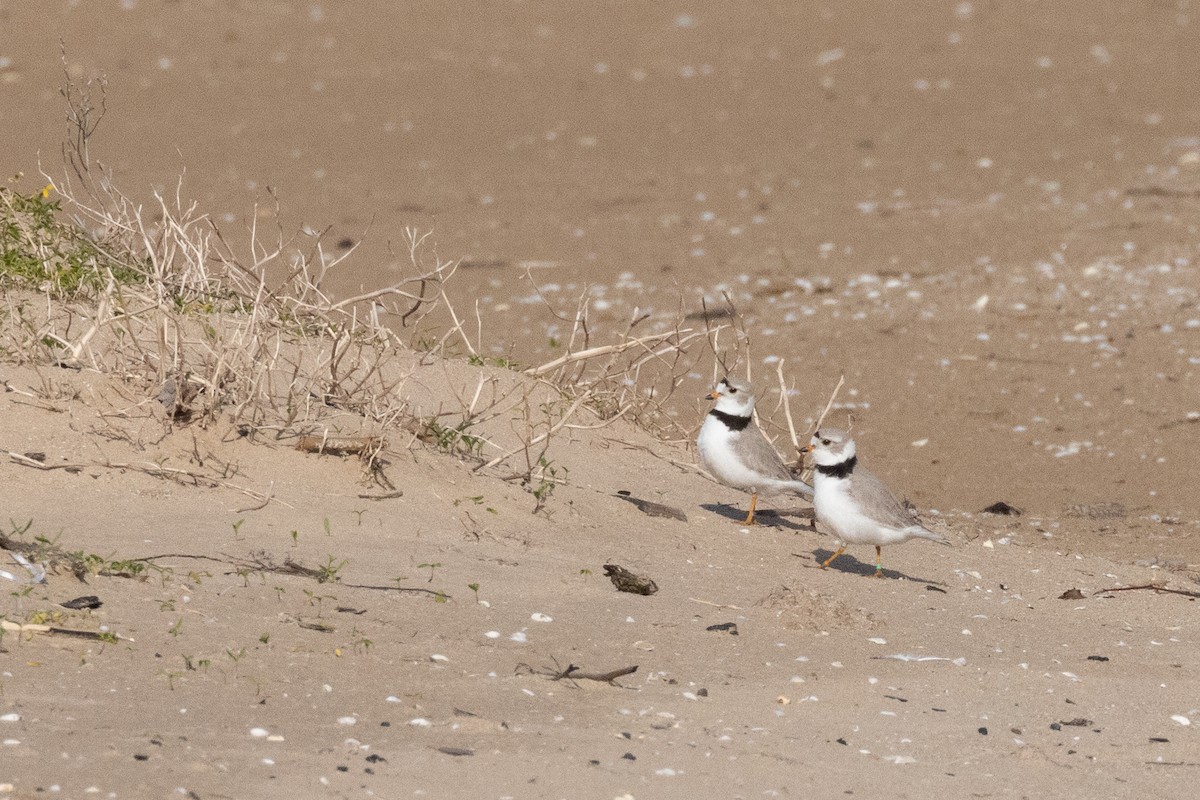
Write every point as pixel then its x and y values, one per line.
pixel 39 252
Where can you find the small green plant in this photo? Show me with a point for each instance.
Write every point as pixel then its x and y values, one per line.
pixel 129 568
pixel 47 617
pixel 454 440
pixel 328 572
pixel 38 251
pixel 431 568
pixel 474 587
pixel 497 361
pixel 360 641
pixel 440 597
pixel 547 481
pixel 170 675
pixel 265 638
pixel 177 628
pixel 317 600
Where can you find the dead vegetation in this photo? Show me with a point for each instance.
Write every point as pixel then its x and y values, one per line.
pixel 203 327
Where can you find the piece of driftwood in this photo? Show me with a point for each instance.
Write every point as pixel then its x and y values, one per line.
pixel 574 673
pixel 339 445
pixel 1156 587
pixel 31 627
pixel 385 496
pixel 626 581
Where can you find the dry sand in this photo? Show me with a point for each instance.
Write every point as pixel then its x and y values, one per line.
pixel 984 215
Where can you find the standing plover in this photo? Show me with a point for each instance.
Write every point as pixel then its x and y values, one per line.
pixel 855 504
pixel 737 453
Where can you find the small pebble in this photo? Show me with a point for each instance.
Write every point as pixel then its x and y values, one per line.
pixel 13 717
pixel 540 617
pixel 1181 719
pixel 420 722
pixel 259 733
pixel 438 657
pixel 347 721
pixel 492 634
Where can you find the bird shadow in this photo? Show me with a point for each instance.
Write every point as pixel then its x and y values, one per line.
pixel 849 564
pixel 765 517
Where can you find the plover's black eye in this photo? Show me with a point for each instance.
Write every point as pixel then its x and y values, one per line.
pixel 825 442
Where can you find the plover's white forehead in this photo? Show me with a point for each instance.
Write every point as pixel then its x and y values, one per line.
pixel 830 437
pixel 734 385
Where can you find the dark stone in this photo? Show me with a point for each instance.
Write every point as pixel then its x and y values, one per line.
pixel 456 751
pixel 626 581
pixel 86 601
pixel 1003 509
pixel 727 627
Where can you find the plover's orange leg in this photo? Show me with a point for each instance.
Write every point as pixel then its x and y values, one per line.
pixel 878 561
pixel 829 560
pixel 749 520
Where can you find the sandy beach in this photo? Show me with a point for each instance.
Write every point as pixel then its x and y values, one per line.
pixel 983 217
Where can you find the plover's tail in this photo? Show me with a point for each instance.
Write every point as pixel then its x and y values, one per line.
pixel 918 532
pixel 799 487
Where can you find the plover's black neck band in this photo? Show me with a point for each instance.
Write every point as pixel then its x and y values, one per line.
pixel 732 421
pixel 839 470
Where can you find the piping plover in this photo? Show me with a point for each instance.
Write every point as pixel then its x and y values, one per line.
pixel 737 453
pixel 855 504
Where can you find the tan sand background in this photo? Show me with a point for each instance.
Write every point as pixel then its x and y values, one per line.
pixel 984 214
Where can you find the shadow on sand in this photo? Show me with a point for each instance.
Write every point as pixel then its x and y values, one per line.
pixel 766 517
pixel 851 565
